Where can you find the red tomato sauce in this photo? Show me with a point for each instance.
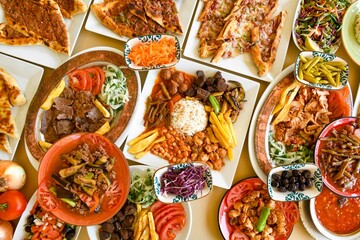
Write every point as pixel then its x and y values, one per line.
pixel 338 219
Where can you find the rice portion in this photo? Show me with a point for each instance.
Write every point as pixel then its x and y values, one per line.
pixel 357 27
pixel 189 116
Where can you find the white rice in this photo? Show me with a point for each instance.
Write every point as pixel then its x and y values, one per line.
pixel 189 116
pixel 357 28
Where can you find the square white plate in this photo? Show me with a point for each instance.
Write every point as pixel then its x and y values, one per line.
pixel 41 54
pixel 243 63
pixel 185 8
pixel 28 76
pixel 224 177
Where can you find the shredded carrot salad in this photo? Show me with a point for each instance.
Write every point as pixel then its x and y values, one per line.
pixel 153 53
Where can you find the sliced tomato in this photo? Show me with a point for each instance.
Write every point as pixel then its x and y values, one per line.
pixel 161 221
pixel 238 192
pixel 291 211
pixel 97 76
pixel 168 208
pixel 238 235
pixel 157 205
pixel 79 80
pixel 47 198
pixel 175 224
pixel 337 105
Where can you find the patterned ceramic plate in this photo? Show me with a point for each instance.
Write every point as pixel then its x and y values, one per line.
pixel 309 193
pixel 146 40
pixel 328 58
pixel 173 198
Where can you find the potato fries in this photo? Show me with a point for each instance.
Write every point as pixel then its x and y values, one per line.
pixel 103 129
pixel 53 94
pixel 141 137
pixel 144 228
pixel 142 153
pixel 142 144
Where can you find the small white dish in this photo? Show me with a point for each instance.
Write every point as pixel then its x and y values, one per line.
pixel 147 40
pixel 297 195
pixel 173 198
pixel 326 57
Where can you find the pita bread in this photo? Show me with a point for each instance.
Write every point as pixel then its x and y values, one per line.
pixel 68 11
pixel 266 38
pixel 14 93
pixel 7 123
pixel 41 19
pixel 10 36
pixel 4 143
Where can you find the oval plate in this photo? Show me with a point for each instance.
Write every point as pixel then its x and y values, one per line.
pixel 259 128
pixel 351 46
pixel 93 231
pixel 90 57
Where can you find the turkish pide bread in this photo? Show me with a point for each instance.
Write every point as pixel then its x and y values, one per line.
pixel 10 36
pixel 14 93
pixel 4 143
pixel 39 19
pixel 71 8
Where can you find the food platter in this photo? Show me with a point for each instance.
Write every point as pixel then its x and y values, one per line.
pixel 90 57
pixel 138 169
pixel 221 178
pixel 348 32
pixel 243 63
pixel 185 9
pixel 28 79
pixel 41 54
pixel 356 103
pixel 259 128
pixel 20 232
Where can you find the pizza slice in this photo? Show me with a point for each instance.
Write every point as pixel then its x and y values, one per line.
pixel 4 143
pixel 69 8
pixel 136 7
pixel 154 11
pixel 7 123
pixel 47 24
pixel 14 94
pixel 266 38
pixel 170 15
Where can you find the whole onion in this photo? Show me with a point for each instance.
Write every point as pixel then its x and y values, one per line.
pixel 6 230
pixel 12 176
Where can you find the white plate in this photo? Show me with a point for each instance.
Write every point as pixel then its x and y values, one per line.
pixel 244 64
pixel 185 8
pixel 122 137
pixel 28 76
pixel 20 229
pixel 304 208
pixel 93 232
pixel 224 177
pixel 251 143
pixel 356 103
pixel 43 55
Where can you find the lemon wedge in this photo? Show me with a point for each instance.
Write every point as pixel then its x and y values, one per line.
pixel 311 45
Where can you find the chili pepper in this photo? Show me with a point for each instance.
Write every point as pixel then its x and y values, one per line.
pixel 265 212
pixel 215 104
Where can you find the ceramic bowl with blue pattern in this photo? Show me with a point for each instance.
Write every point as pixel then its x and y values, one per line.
pixel 166 197
pixel 147 40
pixel 324 73
pixel 308 193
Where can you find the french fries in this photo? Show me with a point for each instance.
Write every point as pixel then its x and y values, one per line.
pixel 103 129
pixel 45 145
pixel 222 130
pixel 140 145
pixel 53 94
pixel 144 228
pixel 101 108
pixel 142 153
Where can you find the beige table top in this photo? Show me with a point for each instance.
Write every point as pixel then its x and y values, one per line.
pixel 204 211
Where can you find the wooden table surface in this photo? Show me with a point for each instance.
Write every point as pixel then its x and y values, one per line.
pixel 204 211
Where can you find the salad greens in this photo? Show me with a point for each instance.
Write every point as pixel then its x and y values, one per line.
pixel 142 189
pixel 319 23
pixel 279 155
pixel 114 92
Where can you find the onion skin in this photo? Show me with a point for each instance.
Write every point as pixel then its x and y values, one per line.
pixel 6 230
pixel 12 176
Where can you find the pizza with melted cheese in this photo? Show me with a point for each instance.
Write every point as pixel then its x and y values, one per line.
pixel 266 38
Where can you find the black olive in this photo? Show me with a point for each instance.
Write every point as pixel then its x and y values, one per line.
pixel 275 184
pixel 302 179
pixel 306 174
pixel 295 173
pixel 302 187
pixel 292 179
pixel 282 189
pixel 308 183
pixel 276 177
pixel 292 187
pixel 285 174
pixel 30 219
pixel 70 235
pixel 28 229
pixel 285 181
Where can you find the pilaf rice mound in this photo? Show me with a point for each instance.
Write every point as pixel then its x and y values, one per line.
pixel 189 116
pixel 357 27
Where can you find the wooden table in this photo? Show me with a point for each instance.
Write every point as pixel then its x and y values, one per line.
pixel 204 211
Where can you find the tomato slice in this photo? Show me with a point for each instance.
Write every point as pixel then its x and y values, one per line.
pixel 47 198
pixel 161 220
pixel 238 235
pixel 175 224
pixel 238 192
pixel 337 105
pixel 156 205
pixel 79 80
pixel 291 211
pixel 168 208
pixel 97 76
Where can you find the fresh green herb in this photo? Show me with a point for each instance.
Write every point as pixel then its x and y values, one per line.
pixel 141 189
